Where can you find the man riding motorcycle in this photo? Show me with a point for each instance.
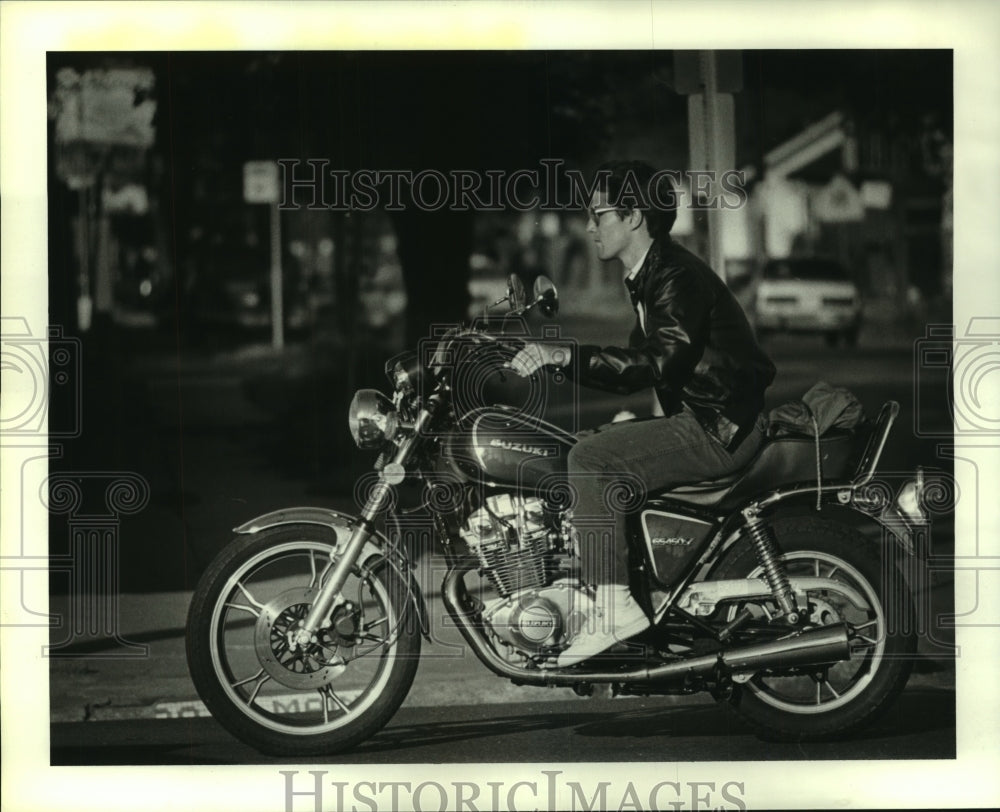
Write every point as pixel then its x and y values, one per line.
pixel 693 345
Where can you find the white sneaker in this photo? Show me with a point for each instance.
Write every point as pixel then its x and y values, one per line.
pixel 612 617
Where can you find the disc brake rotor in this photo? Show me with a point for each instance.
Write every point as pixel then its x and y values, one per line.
pixel 303 668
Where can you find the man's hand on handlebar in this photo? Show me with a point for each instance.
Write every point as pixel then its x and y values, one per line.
pixel 532 357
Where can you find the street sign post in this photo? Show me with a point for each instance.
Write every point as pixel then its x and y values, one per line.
pixel 261 185
pixel 103 124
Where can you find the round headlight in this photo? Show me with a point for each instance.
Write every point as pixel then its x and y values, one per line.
pixel 371 418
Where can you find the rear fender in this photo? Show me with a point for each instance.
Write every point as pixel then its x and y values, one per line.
pixel 373 555
pixel 878 529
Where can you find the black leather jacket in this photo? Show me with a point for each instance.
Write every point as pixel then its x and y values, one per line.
pixel 697 350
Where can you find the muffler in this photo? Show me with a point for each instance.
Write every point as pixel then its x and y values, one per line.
pixel 828 644
pixel 825 645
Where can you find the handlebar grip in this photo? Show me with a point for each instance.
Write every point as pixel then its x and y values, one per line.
pixel 513 345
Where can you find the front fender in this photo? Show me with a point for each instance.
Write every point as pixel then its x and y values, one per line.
pixel 299 515
pixel 343 525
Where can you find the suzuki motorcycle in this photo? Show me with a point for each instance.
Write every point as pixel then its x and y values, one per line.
pixel 783 589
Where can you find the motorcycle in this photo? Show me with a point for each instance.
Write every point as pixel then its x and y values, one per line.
pixel 305 633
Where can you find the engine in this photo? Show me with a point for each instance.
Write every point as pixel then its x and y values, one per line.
pixel 509 536
pixel 522 557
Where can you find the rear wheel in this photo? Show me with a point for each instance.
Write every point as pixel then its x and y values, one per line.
pixel 871 599
pixel 285 699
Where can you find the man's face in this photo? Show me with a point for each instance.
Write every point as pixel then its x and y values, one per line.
pixel 610 233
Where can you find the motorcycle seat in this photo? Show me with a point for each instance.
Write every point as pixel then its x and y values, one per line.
pixel 781 461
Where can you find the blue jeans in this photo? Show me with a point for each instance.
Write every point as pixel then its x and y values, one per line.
pixel 615 469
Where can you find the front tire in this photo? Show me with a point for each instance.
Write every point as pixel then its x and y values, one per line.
pixel 291 701
pixel 837 699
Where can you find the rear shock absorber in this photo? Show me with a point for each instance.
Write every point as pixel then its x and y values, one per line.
pixel 762 538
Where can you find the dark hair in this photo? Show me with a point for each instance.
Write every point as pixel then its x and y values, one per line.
pixel 637 186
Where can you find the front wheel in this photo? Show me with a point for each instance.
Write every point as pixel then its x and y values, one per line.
pixel 290 700
pixel 821 702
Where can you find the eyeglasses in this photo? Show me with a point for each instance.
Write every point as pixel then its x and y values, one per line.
pixel 594 215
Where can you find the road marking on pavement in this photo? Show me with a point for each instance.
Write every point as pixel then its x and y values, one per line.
pixel 279 703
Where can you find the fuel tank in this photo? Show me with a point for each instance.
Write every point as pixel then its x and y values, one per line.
pixel 498 445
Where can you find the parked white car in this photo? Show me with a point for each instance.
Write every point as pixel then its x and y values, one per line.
pixel 808 295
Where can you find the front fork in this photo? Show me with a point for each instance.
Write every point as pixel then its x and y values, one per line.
pixel 392 473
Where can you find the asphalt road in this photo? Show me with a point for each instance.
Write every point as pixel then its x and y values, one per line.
pixel 920 726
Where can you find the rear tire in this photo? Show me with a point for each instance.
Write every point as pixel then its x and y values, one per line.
pixel 299 702
pixel 840 698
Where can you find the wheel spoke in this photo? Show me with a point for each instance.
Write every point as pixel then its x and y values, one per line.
pixel 861 644
pixel 831 689
pixel 372 623
pixel 327 691
pixel 252 610
pixel 819 692
pixel 856 629
pixel 260 683
pixel 248 679
pixel 322 575
pixel 249 597
pixel 312 569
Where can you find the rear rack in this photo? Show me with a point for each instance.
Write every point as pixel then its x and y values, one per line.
pixel 876 442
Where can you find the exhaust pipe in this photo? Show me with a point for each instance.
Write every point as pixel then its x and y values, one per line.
pixel 825 645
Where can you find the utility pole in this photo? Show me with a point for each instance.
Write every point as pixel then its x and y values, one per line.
pixel 708 79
